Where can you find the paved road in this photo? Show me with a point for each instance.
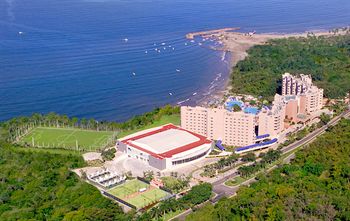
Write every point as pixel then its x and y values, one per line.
pixel 222 190
pixel 315 133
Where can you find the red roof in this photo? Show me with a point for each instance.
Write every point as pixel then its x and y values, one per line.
pixel 202 140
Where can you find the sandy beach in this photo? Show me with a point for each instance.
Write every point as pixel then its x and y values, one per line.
pixel 238 43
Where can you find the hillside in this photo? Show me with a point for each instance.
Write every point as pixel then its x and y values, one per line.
pixel 39 186
pixel 316 186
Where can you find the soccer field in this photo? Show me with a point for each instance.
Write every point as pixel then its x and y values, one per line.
pixel 68 138
pixel 129 192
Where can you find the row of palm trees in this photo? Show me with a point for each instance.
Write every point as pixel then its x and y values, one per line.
pixel 15 128
pixel 268 158
pixel 221 164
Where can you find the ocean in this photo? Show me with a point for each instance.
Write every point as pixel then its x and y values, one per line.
pixel 113 59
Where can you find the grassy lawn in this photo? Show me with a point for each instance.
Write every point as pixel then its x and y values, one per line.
pixel 128 188
pixel 67 138
pixel 147 198
pixel 169 180
pixel 139 200
pixel 235 181
pixel 174 119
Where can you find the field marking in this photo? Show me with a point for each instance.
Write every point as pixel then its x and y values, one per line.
pixel 65 138
pixel 69 135
pixel 131 194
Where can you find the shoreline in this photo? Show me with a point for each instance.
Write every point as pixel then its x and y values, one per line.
pixel 238 44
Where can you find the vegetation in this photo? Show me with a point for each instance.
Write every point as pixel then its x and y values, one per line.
pixel 38 185
pixel 249 157
pixel 314 187
pixel 236 108
pixel 268 158
pixel 176 185
pixel 325 58
pixel 222 165
pixel 300 134
pixel 235 181
pixel 337 106
pixel 324 119
pixel 164 119
pixel 148 175
pixel 197 195
pixel 108 154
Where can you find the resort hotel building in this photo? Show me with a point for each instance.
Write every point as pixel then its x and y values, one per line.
pixel 302 97
pixel 165 147
pixel 249 127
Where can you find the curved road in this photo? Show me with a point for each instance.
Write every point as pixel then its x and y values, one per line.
pixel 222 190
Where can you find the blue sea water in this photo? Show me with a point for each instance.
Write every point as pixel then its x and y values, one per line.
pixel 70 56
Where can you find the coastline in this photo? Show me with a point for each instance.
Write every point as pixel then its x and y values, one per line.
pixel 238 44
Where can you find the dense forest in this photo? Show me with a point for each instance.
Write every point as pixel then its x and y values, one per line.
pixel 40 186
pixel 316 186
pixel 327 59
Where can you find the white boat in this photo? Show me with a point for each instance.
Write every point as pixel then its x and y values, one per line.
pixel 185 43
pixel 126 40
pixel 133 73
pixel 194 93
pixel 171 94
pixel 20 33
pixel 163 43
pixel 178 70
pixel 146 52
pixel 199 44
pixel 192 41
pixel 173 49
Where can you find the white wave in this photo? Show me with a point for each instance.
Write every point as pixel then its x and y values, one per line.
pixel 180 102
pixel 223 56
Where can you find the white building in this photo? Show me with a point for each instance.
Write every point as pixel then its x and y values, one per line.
pixel 165 147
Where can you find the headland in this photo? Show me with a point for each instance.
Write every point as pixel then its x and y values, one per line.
pixel 238 44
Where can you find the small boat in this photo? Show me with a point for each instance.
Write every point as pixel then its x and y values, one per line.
pixel 178 70
pixel 163 43
pixel 126 40
pixel 199 44
pixel 164 48
pixel 169 46
pixel 133 73
pixel 194 93
pixel 192 41
pixel 171 94
pixel 185 43
pixel 20 33
pixel 146 52
pixel 173 49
